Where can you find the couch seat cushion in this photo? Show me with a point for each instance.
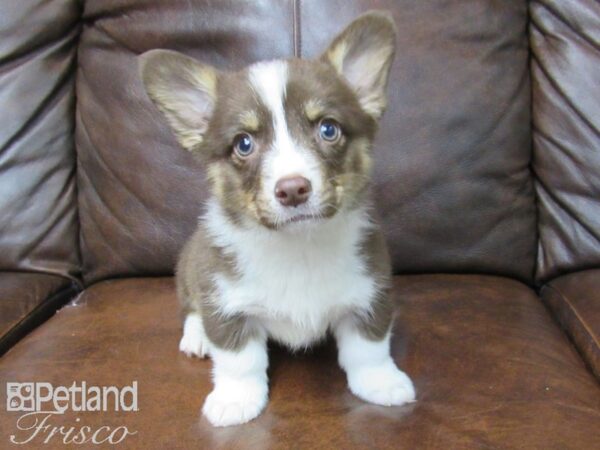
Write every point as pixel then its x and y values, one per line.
pixel 491 368
pixel 575 300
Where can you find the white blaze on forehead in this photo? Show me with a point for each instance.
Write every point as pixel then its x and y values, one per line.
pixel 286 157
pixel 269 80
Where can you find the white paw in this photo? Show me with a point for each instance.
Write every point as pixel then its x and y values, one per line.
pixel 382 384
pixel 234 402
pixel 193 341
pixel 192 345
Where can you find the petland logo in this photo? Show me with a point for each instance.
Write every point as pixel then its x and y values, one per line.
pixel 41 401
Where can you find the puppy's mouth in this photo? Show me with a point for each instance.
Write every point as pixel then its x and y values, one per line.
pixel 297 218
pixel 291 222
pixel 301 218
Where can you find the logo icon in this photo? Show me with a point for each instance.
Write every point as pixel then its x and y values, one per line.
pixel 20 397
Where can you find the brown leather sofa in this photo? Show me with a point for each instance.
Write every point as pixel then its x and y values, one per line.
pixel 487 181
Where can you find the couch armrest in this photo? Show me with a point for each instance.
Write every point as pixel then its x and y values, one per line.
pixel 26 300
pixel 575 301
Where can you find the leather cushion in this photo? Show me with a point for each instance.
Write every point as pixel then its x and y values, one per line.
pixel 491 368
pixel 575 300
pixel 452 176
pixel 38 224
pixel 566 139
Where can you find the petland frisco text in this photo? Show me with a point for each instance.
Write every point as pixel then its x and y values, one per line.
pixel 42 404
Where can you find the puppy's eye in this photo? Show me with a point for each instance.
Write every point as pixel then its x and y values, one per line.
pixel 243 145
pixel 329 130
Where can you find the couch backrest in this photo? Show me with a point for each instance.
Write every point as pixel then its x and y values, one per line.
pixel 452 160
pixel 38 209
pixel 565 46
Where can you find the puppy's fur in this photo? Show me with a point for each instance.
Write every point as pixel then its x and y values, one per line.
pixel 259 268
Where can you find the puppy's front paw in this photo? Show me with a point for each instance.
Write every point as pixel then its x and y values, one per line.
pixel 382 384
pixel 234 402
pixel 193 342
pixel 192 345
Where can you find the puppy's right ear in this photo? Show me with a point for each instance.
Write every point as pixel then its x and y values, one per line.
pixel 183 89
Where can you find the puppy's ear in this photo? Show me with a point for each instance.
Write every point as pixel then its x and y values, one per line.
pixel 183 89
pixel 363 54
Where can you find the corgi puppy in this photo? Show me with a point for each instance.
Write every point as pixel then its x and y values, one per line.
pixel 287 248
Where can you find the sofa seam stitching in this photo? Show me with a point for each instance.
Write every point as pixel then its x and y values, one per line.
pixel 296 30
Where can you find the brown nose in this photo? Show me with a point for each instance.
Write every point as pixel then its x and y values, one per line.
pixel 292 191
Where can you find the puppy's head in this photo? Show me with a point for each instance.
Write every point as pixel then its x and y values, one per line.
pixel 284 141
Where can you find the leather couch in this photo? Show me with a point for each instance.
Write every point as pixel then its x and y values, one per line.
pixel 487 182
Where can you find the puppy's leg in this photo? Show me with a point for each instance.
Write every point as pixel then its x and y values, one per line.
pixel 372 374
pixel 241 387
pixel 194 340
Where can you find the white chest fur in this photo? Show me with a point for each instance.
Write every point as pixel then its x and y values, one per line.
pixel 296 282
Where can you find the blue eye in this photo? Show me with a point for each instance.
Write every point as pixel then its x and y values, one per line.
pixel 243 145
pixel 329 130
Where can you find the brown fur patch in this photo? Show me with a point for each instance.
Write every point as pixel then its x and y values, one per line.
pixel 376 325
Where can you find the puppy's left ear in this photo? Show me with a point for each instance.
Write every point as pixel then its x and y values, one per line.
pixel 363 55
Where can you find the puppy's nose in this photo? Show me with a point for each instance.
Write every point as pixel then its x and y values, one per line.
pixel 292 191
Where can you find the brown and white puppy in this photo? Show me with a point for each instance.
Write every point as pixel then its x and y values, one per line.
pixel 287 249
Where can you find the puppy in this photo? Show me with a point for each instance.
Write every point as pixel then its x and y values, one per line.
pixel 287 249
